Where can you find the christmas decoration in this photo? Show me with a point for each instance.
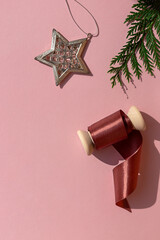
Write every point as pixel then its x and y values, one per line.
pixel 143 40
pixel 123 132
pixel 64 56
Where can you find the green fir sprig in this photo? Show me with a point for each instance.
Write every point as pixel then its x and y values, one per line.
pixel 143 37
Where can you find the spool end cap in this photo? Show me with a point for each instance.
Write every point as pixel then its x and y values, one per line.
pixel 136 118
pixel 86 141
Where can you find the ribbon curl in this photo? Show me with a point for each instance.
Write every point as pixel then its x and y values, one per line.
pixel 117 130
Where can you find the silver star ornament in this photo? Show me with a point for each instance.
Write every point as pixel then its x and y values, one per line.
pixel 64 57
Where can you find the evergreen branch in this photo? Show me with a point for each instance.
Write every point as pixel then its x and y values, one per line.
pixel 147 60
pixel 136 66
pixel 157 25
pixel 126 72
pixel 140 38
pixel 154 47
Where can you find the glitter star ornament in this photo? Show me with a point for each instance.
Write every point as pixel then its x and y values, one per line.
pixel 65 57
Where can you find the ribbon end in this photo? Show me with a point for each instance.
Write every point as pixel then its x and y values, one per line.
pixel 124 204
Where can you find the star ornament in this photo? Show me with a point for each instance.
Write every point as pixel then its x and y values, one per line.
pixel 64 57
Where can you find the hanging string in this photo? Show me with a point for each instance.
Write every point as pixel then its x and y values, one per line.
pixel 88 34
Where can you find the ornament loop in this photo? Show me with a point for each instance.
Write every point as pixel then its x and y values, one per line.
pixel 89 36
pixel 93 35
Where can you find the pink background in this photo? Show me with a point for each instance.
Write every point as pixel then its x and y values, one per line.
pixel 49 188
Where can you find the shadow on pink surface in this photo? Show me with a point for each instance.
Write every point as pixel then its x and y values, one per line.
pixel 145 194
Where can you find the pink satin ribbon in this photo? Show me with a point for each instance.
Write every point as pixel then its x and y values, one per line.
pixel 117 130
